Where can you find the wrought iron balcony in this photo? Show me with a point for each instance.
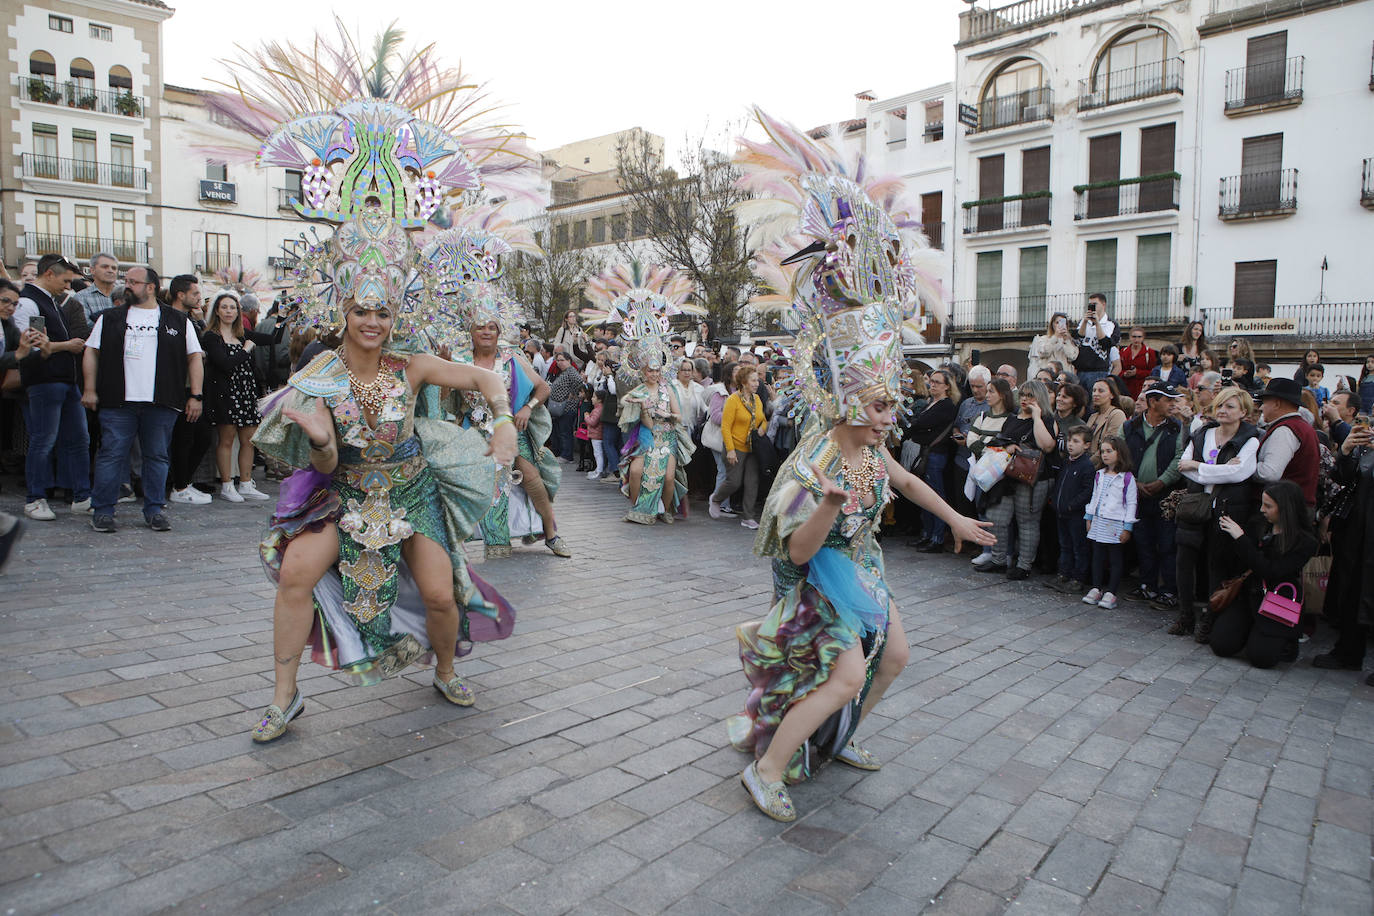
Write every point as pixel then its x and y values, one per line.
pixel 1025 107
pixel 74 94
pixel 284 196
pixel 1267 85
pixel 1153 307
pixel 935 234
pixel 1145 81
pixel 979 24
pixel 1254 195
pixel 1127 196
pixel 1353 321
pixel 1019 211
pixel 82 248
pixel 1367 185
pixel 108 174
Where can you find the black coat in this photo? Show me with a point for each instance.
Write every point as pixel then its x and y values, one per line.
pixel 220 363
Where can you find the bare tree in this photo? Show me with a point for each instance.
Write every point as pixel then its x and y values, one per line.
pixel 549 286
pixel 691 222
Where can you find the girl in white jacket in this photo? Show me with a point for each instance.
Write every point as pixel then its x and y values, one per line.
pixel 1111 514
pixel 1056 345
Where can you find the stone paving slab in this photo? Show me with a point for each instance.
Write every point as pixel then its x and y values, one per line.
pixel 1041 756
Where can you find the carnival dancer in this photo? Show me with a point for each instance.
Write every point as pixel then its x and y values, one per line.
pixel 658 447
pixel 833 641
pixel 366 540
pixel 467 261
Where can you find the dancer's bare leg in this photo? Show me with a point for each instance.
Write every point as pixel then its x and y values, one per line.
pixel 307 558
pixel 804 717
pixel 432 570
pixel 896 655
pixel 669 491
pixel 534 488
pixel 636 477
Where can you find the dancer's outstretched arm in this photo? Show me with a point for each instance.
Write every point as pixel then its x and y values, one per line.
pixel 920 493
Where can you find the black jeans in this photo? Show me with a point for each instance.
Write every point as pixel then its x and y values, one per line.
pixel 1109 562
pixel 1239 628
pixel 190 442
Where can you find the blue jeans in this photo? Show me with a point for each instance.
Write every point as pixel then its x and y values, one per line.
pixel 722 471
pixel 563 432
pixel 611 438
pixel 1073 547
pixel 57 422
pixel 933 526
pixel 119 426
pixel 1156 548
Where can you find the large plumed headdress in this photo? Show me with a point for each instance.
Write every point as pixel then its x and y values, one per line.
pixel 840 250
pixel 641 300
pixel 381 144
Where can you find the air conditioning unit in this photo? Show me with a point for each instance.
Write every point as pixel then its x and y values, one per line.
pixel 1035 112
pixel 1092 100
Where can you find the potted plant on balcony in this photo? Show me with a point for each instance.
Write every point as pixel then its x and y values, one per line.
pixel 126 104
pixel 41 91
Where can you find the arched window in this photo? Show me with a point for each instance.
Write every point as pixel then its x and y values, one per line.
pixel 1017 92
pixel 1139 63
pixel 120 79
pixel 42 64
pixel 81 92
pixel 41 85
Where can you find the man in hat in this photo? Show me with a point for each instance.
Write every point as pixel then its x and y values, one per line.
pixel 1156 440
pixel 1288 450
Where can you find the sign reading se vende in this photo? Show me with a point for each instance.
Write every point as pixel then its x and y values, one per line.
pixel 1242 326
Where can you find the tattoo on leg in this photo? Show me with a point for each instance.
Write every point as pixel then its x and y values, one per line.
pixel 285 659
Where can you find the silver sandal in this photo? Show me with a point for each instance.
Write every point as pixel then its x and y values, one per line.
pixel 859 758
pixel 275 720
pixel 769 797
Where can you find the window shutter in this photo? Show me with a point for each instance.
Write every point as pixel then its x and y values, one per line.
pixel 1100 274
pixel 1104 164
pixel 1035 176
pixel 1152 278
pixel 989 307
pixel 1033 270
pixel 932 217
pixel 1261 164
pixel 1156 157
pixel 1254 289
pixel 1264 67
pixel 991 183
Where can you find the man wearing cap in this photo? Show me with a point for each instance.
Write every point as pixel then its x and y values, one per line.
pixel 1156 440
pixel 1288 450
pixel 51 377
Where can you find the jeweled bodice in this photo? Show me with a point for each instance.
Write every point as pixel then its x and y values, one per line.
pixel 394 431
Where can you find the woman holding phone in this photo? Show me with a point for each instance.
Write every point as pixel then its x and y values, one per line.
pixel 1055 345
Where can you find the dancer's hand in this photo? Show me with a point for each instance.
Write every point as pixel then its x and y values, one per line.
pixel 831 493
pixel 522 417
pixel 970 529
pixel 502 446
pixel 317 423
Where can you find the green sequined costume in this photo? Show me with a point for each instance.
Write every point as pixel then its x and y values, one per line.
pixel 655 445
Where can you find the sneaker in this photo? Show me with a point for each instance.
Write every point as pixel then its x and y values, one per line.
pixel 126 493
pixel 103 523
pixel 1108 601
pixel 592 475
pixel 712 508
pixel 189 496
pixel 159 522
pixel 982 560
pixel 229 492
pixel 1164 602
pixel 1093 596
pixel 727 511
pixel 991 566
pixel 1016 573
pixel 749 523
pixel 38 511
pixel 1141 592
pixel 81 507
pixel 1057 583
pixel 248 490
pixel 1074 586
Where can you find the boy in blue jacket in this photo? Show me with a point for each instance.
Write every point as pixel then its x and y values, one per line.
pixel 1072 491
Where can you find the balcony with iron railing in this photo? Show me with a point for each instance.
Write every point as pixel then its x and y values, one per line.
pixel 1152 308
pixel 981 24
pixel 82 248
pixel 85 171
pixel 284 196
pixel 1161 77
pixel 1262 87
pixel 935 234
pixel 1367 185
pixel 1127 196
pixel 1312 321
pixel 1259 195
pixel 73 94
pixel 215 261
pixel 1025 107
pixel 1001 214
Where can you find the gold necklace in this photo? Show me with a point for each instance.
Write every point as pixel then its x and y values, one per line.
pixel 862 478
pixel 372 395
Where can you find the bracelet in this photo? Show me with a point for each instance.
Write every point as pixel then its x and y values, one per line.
pixel 503 418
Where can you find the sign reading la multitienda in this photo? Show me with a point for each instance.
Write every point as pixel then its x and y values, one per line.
pixel 1243 326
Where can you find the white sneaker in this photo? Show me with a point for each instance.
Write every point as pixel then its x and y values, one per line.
pixel 190 496
pixel 80 507
pixel 750 524
pixel 982 560
pixel 1108 601
pixel 227 491
pixel 712 508
pixel 1093 596
pixel 249 490
pixel 38 511
pixel 592 475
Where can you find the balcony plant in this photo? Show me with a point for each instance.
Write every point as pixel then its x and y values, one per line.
pixel 86 101
pixel 1029 195
pixel 41 91
pixel 126 104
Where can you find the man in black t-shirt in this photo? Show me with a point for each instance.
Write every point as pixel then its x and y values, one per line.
pixel 1097 337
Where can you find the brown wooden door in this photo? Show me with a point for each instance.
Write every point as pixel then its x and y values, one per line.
pixel 991 183
pixel 932 218
pixel 1264 67
pixel 1104 164
pixel 1035 176
pixel 1261 163
pixel 1157 157
pixel 1254 290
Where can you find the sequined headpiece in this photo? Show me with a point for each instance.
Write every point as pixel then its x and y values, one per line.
pixel 379 154
pixel 841 253
pixel 641 301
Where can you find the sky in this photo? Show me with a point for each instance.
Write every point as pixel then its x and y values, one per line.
pixel 568 71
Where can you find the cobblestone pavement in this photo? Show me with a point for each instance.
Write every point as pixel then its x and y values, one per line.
pixel 1041 756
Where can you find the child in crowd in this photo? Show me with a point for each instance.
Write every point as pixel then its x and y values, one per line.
pixel 1262 371
pixel 1111 516
pixel 594 434
pixel 1315 374
pixel 1072 491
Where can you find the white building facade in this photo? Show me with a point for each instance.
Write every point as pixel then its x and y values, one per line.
pixel 1077 166
pixel 1288 116
pixel 80 151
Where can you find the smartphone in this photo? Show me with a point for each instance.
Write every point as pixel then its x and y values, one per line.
pixel 1092 308
pixel 38 323
pixel 1227 374
pixel 976 356
pixel 1362 419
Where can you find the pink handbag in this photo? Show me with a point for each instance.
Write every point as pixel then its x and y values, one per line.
pixel 1277 607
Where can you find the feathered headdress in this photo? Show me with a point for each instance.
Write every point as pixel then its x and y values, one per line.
pixel 840 250
pixel 381 143
pixel 641 301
